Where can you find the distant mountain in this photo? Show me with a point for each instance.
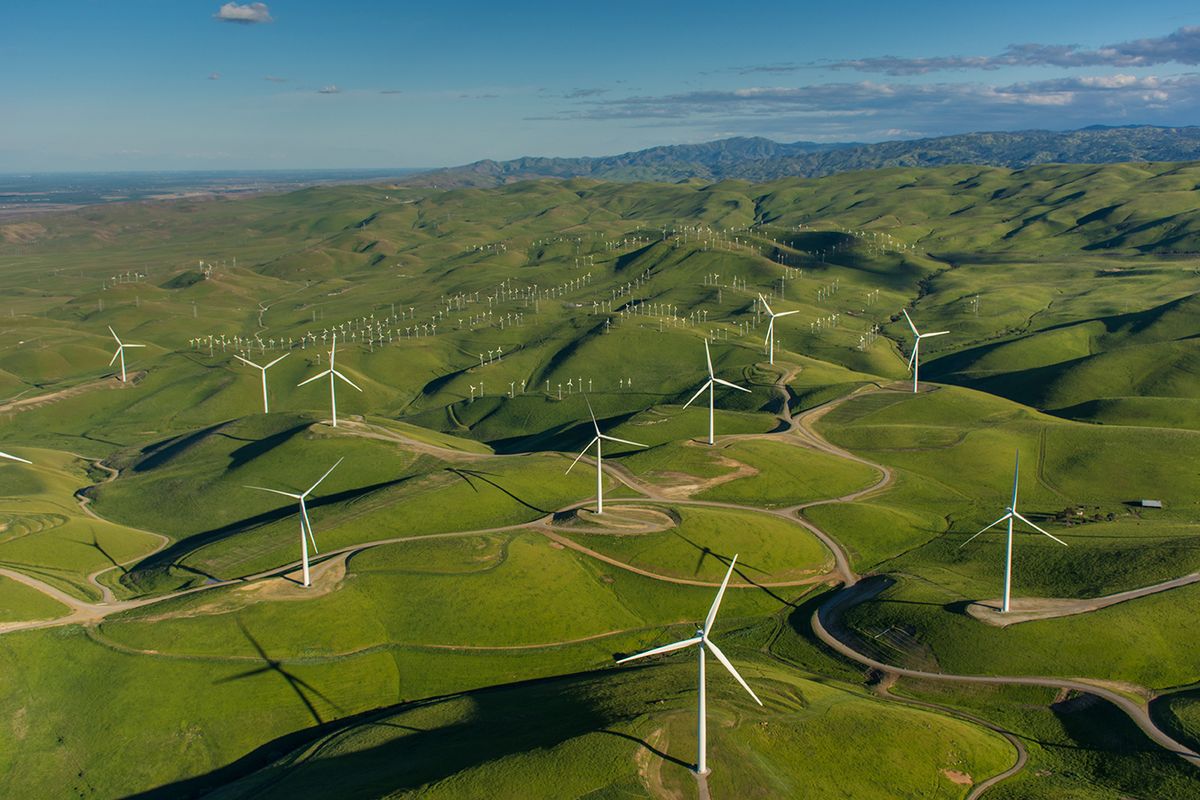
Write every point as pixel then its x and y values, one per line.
pixel 759 159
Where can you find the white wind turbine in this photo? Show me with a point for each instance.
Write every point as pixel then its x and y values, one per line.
pixel 770 340
pixel 706 644
pixel 914 361
pixel 306 531
pixel 120 352
pixel 710 384
pixel 332 373
pixel 599 467
pixel 15 458
pixel 1011 514
pixel 264 373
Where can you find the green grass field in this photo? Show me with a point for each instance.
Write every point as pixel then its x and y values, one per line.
pixel 453 642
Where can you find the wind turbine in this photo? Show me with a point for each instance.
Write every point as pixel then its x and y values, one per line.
pixel 15 458
pixel 305 525
pixel 706 644
pixel 710 384
pixel 914 361
pixel 264 373
pixel 120 351
pixel 599 467
pixel 1011 514
pixel 332 373
pixel 770 340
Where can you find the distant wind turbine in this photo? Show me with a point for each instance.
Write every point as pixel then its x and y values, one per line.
pixel 914 361
pixel 710 384
pixel 1011 514
pixel 332 373
pixel 770 340
pixel 305 526
pixel 705 644
pixel 264 373
pixel 15 458
pixel 120 352
pixel 599 466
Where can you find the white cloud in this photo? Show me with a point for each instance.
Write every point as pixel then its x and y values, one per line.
pixel 244 13
pixel 330 89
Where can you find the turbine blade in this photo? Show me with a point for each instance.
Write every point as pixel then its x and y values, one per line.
pixel 1017 514
pixel 323 477
pixel 731 385
pixel 904 311
pixel 622 441
pixel 935 333
pixel 314 377
pixel 912 357
pixel 708 358
pixel 1016 474
pixel 763 300
pixel 15 458
pixel 989 527
pixel 343 377
pixel 115 356
pixel 712 612
pixel 114 333
pixel 699 392
pixel 591 413
pixel 666 648
pixel 716 651
pixel 308 526
pixel 133 345
pixel 274 491
pixel 581 455
pixel 245 361
pixel 770 327
pixel 786 313
pixel 276 361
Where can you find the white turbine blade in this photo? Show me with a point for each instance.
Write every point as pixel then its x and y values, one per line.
pixel 591 413
pixel 786 313
pixel 323 477
pixel 708 358
pixel 910 322
pixel 913 356
pixel 716 651
pixel 343 377
pixel 274 491
pixel 731 385
pixel 115 356
pixel 935 333
pixel 133 345
pixel 308 526
pixel 581 455
pixel 770 327
pixel 989 527
pixel 666 648
pixel 15 458
pixel 273 363
pixel 314 377
pixel 712 612
pixel 245 361
pixel 1016 475
pixel 622 441
pixel 699 392
pixel 1017 514
pixel 114 333
pixel 763 300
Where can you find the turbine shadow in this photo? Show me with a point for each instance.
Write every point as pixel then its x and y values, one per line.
pixel 468 474
pixel 650 747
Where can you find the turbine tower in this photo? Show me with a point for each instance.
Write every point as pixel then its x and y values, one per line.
pixel 710 384
pixel 705 644
pixel 264 373
pixel 120 352
pixel 333 374
pixel 599 465
pixel 15 458
pixel 1011 514
pixel 770 340
pixel 305 525
pixel 914 361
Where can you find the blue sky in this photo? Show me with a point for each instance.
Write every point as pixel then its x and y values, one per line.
pixel 196 84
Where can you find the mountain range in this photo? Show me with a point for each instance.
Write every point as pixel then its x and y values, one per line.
pixel 760 159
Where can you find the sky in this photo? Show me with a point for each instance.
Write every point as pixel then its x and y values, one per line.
pixel 108 85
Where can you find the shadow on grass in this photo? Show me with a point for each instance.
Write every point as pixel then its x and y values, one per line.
pixel 457 732
pixel 468 474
